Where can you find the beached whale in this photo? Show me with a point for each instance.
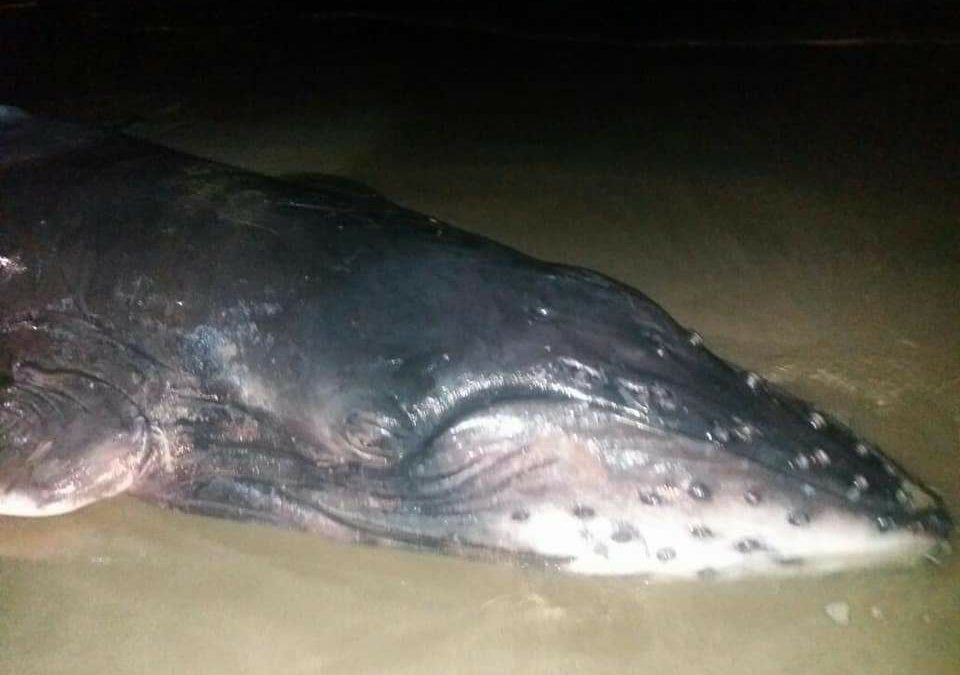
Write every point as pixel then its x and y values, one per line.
pixel 320 358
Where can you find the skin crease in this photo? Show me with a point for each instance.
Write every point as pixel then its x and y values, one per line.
pixel 167 325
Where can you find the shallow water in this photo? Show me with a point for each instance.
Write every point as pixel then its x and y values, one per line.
pixel 803 217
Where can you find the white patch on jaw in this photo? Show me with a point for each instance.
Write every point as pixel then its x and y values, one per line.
pixel 553 532
pixel 108 470
pixel 16 503
pixel 22 506
pixel 835 541
pixel 682 510
pixel 663 544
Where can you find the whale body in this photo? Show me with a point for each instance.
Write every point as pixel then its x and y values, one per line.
pixel 319 358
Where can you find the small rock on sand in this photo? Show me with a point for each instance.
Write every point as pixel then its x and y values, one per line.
pixel 839 612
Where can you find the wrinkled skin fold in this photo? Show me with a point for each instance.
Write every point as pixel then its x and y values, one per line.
pixel 316 357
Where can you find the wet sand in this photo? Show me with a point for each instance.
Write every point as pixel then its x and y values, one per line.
pixel 799 208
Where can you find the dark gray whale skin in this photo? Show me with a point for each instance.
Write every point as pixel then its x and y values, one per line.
pixel 320 358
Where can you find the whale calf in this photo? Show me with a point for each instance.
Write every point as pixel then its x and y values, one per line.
pixel 319 358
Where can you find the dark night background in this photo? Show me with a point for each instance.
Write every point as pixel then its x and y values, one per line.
pixel 783 177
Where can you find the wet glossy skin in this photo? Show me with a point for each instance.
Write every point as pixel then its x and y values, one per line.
pixel 320 358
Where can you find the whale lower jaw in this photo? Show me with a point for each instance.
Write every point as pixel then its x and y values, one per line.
pixel 667 548
pixel 900 555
